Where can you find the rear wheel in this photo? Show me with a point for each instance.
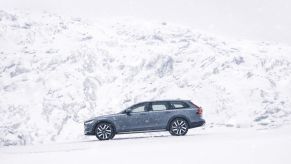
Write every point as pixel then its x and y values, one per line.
pixel 104 131
pixel 178 127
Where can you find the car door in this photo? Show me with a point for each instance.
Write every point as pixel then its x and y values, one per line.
pixel 136 119
pixel 159 115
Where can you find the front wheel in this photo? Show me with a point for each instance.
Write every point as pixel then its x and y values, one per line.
pixel 178 127
pixel 104 131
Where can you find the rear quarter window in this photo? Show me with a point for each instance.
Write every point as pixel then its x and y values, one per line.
pixel 178 105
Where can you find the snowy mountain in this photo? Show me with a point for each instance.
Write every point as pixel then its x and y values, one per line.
pixel 56 72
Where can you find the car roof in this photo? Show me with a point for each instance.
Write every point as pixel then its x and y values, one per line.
pixel 163 101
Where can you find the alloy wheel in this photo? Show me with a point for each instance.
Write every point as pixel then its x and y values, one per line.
pixel 179 127
pixel 104 131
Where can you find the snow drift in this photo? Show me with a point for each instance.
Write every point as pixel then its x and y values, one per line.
pixel 55 72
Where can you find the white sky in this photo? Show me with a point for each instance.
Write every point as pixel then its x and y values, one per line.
pixel 263 20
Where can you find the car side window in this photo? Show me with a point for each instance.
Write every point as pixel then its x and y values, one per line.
pixel 138 108
pixel 178 105
pixel 159 106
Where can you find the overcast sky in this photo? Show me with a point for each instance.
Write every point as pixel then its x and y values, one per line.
pixel 262 20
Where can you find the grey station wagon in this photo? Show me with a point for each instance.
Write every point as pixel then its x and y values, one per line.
pixel 175 116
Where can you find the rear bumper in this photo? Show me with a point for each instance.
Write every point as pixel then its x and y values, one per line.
pixel 197 124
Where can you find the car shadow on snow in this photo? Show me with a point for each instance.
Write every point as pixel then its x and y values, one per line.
pixel 126 137
pixel 152 136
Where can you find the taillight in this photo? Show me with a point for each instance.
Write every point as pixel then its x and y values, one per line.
pixel 199 111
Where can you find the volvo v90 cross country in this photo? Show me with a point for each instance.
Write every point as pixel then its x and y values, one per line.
pixel 175 116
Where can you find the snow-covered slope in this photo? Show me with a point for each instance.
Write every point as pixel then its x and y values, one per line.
pixel 55 72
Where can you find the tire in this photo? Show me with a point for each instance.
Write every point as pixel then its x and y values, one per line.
pixel 104 131
pixel 178 127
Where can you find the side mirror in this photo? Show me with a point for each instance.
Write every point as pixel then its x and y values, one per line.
pixel 127 111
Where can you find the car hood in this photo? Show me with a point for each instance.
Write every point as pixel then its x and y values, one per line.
pixel 102 117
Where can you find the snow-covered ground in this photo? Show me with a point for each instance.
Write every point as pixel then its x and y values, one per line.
pixel 216 145
pixel 56 72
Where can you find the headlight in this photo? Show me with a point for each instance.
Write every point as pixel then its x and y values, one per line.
pixel 89 122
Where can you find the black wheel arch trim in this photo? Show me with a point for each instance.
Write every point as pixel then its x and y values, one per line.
pixel 177 116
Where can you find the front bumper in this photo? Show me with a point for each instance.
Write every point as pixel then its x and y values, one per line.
pixel 88 132
pixel 89 128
